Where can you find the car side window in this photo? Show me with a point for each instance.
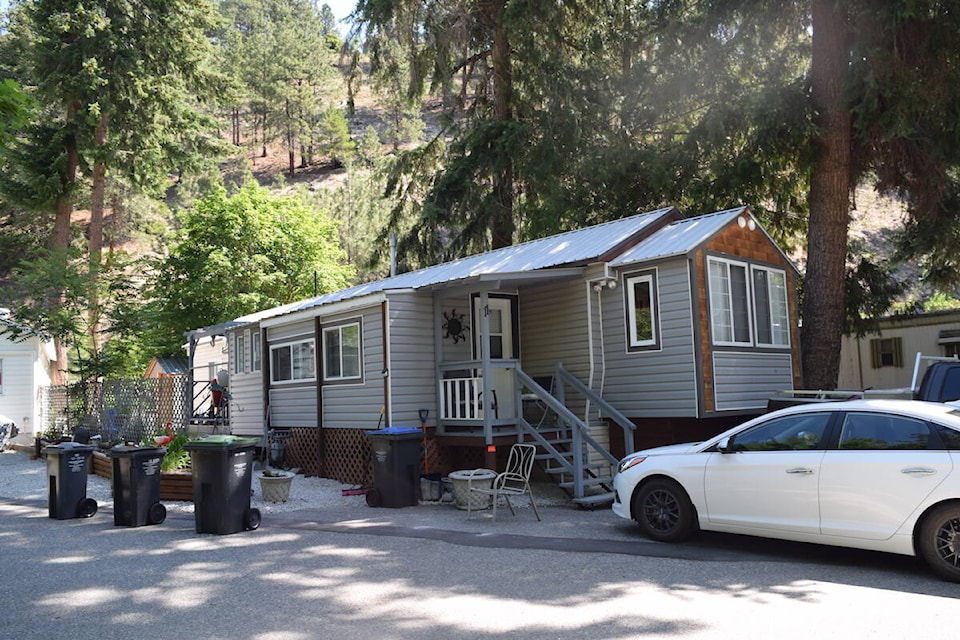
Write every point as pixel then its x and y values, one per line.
pixel 950 437
pixel 883 431
pixel 789 433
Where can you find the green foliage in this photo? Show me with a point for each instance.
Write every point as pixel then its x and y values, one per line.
pixel 176 457
pixel 335 136
pixel 242 253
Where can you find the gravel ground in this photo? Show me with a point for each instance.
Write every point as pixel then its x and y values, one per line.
pixel 23 478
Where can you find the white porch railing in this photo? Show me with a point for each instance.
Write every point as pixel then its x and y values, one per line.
pixel 461 398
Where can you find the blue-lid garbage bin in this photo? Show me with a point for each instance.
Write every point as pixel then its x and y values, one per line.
pixel 136 486
pixel 396 466
pixel 222 467
pixel 67 465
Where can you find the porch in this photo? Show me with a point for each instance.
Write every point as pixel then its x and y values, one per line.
pixel 517 407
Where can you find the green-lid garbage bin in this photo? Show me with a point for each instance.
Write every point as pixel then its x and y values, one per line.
pixel 396 466
pixel 136 486
pixel 67 465
pixel 222 467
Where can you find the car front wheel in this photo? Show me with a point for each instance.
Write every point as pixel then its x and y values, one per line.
pixel 939 541
pixel 664 512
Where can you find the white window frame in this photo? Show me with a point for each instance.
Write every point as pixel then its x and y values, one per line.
pixel 301 352
pixel 256 350
pixel 725 315
pixel 340 355
pixel 630 282
pixel 239 353
pixel 776 301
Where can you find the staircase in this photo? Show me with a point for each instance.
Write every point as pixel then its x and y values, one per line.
pixel 566 449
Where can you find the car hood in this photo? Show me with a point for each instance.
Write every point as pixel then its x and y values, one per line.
pixel 686 447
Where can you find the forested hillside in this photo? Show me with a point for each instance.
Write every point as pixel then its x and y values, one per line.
pixel 212 137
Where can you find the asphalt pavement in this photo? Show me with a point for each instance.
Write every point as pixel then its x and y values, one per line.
pixel 433 572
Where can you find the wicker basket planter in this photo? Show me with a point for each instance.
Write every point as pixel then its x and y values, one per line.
pixel 275 487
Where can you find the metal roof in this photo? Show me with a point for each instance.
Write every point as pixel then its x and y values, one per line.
pixel 680 237
pixel 577 247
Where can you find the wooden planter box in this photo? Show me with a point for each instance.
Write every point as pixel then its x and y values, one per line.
pixel 174 485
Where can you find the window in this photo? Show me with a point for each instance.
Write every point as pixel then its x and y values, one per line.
pixel 886 352
pixel 239 353
pixel 748 304
pixel 770 307
pixel 642 313
pixel 255 354
pixel 882 431
pixel 792 433
pixel 292 362
pixel 341 352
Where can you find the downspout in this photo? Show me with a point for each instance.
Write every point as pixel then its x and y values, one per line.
pixel 387 387
pixel 590 354
pixel 485 367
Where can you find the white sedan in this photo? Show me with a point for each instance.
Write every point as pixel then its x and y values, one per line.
pixel 875 474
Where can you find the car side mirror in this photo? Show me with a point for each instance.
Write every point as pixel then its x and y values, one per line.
pixel 725 445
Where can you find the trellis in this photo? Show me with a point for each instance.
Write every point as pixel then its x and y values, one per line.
pixel 116 410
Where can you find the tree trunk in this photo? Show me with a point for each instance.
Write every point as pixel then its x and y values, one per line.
pixel 823 307
pixel 61 240
pixel 502 224
pixel 95 236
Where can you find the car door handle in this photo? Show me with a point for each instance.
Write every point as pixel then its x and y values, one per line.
pixel 924 471
pixel 804 471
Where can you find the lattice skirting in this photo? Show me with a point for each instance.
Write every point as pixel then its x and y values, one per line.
pixel 345 455
pixel 302 450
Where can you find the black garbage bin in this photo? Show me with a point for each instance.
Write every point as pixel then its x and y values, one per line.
pixel 222 467
pixel 136 486
pixel 67 465
pixel 396 466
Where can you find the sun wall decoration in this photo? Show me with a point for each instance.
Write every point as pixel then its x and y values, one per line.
pixel 454 327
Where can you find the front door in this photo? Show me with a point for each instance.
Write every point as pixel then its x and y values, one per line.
pixel 502 347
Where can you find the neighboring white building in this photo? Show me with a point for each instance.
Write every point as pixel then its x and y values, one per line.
pixel 885 360
pixel 27 359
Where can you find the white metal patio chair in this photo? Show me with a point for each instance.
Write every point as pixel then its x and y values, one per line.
pixel 514 481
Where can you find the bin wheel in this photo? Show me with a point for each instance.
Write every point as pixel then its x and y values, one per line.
pixel 252 519
pixel 86 508
pixel 374 498
pixel 157 513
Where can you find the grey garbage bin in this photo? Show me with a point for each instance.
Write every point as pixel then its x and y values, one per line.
pixel 396 466
pixel 67 465
pixel 136 486
pixel 222 467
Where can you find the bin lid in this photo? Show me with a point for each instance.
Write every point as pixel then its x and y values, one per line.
pixel 129 450
pixel 221 442
pixel 69 446
pixel 393 431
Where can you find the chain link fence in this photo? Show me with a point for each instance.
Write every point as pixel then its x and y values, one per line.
pixel 116 410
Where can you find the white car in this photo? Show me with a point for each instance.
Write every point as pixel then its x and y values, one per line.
pixel 868 474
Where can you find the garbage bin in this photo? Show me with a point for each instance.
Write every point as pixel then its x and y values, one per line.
pixel 136 486
pixel 67 465
pixel 396 466
pixel 222 468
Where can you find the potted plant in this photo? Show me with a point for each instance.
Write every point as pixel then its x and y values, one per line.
pixel 275 485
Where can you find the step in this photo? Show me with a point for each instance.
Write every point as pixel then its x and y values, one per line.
pixel 588 482
pixel 595 500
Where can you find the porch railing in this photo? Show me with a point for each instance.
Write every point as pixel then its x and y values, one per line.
pixel 461 398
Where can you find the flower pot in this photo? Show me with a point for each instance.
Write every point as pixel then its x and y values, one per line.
pixel 275 488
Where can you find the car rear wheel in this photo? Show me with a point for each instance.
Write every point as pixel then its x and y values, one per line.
pixel 664 512
pixel 939 541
